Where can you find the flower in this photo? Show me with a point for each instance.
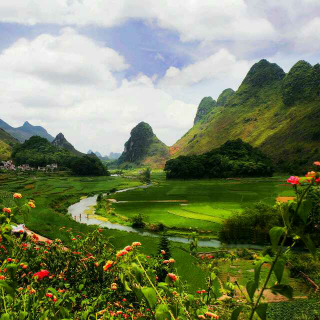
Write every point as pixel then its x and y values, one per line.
pixel 17 195
pixel 31 204
pixel 317 163
pixel 172 260
pixel 108 265
pixel 42 274
pixel 293 180
pixel 173 277
pixel 114 286
pixel 121 253
pixel 49 295
pixel 318 180
pixel 163 252
pixel 136 244
pixel 311 174
pixel 8 210
pixel 211 315
pixel 128 248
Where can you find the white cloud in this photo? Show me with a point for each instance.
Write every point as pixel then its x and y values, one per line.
pixel 66 83
pixel 208 76
pixel 193 20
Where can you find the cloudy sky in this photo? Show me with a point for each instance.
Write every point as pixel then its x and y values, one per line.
pixel 93 69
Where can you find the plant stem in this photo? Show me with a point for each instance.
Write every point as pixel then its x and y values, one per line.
pixel 269 276
pixel 155 289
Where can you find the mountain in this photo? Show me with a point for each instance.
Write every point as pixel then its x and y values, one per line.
pixel 144 148
pixel 26 131
pixel 98 154
pixel 204 108
pixel 61 141
pixel 277 112
pixel 6 144
pixel 114 156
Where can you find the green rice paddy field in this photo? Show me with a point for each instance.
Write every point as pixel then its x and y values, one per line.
pixel 199 205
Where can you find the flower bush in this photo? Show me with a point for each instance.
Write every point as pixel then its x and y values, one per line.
pixel 89 279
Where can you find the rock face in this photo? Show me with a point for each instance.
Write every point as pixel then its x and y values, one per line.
pixel 61 141
pixel 144 148
pixel 205 106
pixel 26 131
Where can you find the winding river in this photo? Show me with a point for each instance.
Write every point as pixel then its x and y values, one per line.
pixel 80 211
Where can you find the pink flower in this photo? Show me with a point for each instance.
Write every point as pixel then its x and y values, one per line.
pixel 128 248
pixel 317 163
pixel 293 180
pixel 163 252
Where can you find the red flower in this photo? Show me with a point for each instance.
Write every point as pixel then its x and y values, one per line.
pixel 317 163
pixel 128 248
pixel 293 180
pixel 8 210
pixel 108 265
pixel 173 277
pixel 42 274
pixel 136 244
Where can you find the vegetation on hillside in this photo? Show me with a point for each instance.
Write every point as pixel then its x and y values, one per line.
pixel 7 142
pixel 89 166
pixel 233 159
pixel 143 148
pixel 205 106
pixel 271 110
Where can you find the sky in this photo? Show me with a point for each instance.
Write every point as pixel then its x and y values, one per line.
pixel 94 69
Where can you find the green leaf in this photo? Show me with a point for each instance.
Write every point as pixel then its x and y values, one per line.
pixel 283 289
pixel 12 270
pixel 309 244
pixel 275 235
pixel 162 312
pixel 257 270
pixel 7 287
pixel 287 215
pixel 23 315
pixel 251 288
pixel 236 312
pixel 138 272
pixel 5 316
pixel 262 311
pixel 304 210
pixel 126 286
pixel 278 269
pixel 150 295
pixel 216 287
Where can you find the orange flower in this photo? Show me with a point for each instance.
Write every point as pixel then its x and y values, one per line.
pixel 114 286
pixel 163 252
pixel 17 195
pixel 311 174
pixel 128 248
pixel 8 210
pixel 136 244
pixel 172 260
pixel 211 315
pixel 317 163
pixel 31 204
pixel 108 265
pixel 121 253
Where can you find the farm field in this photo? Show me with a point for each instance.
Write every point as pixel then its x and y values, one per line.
pixel 197 205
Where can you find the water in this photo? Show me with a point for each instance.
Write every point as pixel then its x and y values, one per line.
pixel 78 209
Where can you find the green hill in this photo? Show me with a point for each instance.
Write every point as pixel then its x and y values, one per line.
pixel 7 143
pixel 276 112
pixel 144 148
pixel 62 142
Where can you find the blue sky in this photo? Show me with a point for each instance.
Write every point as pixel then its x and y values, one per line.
pixel 94 69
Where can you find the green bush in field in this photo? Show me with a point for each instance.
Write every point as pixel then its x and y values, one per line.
pixel 250 226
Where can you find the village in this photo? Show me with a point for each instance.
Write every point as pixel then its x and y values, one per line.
pixel 10 166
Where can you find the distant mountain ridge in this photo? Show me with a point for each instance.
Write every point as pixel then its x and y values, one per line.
pixel 144 148
pixel 277 112
pixel 98 154
pixel 26 131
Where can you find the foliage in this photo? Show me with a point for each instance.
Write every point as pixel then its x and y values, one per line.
pixel 302 83
pixel 233 159
pixel 205 106
pixel 225 96
pixel 39 151
pixel 137 221
pixel 89 166
pixel 250 226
